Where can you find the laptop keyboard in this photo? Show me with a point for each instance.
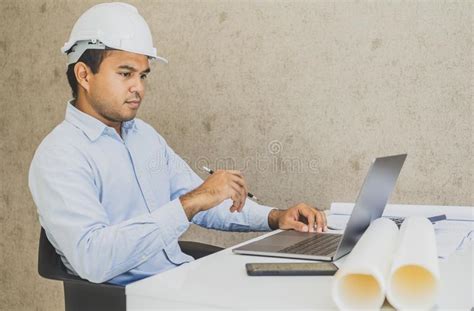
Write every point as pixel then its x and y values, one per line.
pixel 319 245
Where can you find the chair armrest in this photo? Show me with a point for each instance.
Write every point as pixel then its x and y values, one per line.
pixel 198 250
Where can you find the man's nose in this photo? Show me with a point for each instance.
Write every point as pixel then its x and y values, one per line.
pixel 138 86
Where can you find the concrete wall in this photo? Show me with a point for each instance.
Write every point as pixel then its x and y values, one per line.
pixel 299 95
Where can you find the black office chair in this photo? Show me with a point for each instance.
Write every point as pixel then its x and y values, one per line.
pixel 80 294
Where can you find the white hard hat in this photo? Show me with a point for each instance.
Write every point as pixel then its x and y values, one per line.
pixel 115 25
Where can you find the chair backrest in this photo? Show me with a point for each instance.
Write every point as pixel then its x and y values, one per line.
pixel 79 294
pixel 50 265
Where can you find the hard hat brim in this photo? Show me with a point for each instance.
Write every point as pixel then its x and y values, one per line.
pixel 80 47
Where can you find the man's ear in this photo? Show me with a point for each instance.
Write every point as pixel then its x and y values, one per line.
pixel 83 75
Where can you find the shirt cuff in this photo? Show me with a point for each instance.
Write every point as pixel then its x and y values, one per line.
pixel 172 219
pixel 258 217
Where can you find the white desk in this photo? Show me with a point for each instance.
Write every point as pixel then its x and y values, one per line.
pixel 219 281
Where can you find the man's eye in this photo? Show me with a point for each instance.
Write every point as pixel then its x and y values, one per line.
pixel 125 74
pixel 143 77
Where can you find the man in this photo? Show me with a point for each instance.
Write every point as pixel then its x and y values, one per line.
pixel 111 195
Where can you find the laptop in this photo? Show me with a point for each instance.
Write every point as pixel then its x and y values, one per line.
pixel 370 204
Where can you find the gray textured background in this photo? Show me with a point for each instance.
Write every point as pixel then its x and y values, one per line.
pixel 298 95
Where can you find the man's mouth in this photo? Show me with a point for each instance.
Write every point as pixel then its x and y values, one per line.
pixel 133 103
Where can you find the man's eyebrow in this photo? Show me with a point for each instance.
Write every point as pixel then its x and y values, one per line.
pixel 131 68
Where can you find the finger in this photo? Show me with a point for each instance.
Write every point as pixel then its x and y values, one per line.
pixel 236 196
pixel 243 197
pixel 240 180
pixel 235 172
pixel 242 203
pixel 309 215
pixel 237 189
pixel 235 204
pixel 231 195
pixel 320 221
pixel 245 193
pixel 234 207
pixel 297 225
pixel 325 220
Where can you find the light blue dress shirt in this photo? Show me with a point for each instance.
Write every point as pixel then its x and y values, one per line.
pixel 110 205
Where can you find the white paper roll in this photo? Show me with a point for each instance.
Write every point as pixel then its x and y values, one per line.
pixel 361 281
pixel 414 277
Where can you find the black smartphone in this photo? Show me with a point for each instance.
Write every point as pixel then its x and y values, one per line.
pixel 291 268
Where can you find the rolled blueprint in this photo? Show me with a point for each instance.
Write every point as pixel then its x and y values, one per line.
pixel 414 276
pixel 361 281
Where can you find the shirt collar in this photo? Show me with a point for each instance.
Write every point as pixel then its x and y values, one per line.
pixel 92 127
pixel 127 125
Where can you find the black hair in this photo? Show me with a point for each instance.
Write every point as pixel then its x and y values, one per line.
pixel 92 58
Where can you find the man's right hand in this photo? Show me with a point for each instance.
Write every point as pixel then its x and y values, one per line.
pixel 220 186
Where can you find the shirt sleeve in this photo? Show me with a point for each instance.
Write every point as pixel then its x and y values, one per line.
pixel 62 185
pixel 254 217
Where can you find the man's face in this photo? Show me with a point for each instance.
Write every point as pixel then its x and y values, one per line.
pixel 117 89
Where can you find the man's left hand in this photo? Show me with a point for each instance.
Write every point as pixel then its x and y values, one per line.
pixel 300 217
